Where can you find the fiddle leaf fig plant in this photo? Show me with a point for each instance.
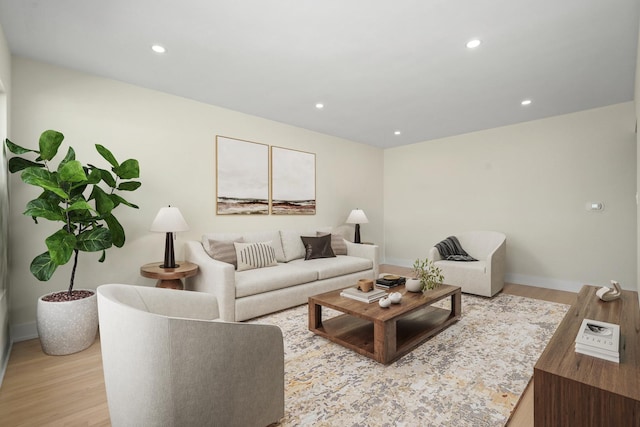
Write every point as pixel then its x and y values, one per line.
pixel 428 273
pixel 80 197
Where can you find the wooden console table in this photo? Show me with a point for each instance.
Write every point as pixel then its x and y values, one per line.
pixel 572 389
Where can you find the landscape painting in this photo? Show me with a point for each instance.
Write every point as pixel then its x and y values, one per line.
pixel 242 180
pixel 293 182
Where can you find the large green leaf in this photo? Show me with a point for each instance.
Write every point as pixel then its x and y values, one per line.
pixel 42 208
pixel 104 204
pixel 50 141
pixel 94 176
pixel 117 200
pixel 16 149
pixel 129 185
pixel 107 177
pixel 18 163
pixel 79 205
pixel 106 154
pixel 44 179
pixel 42 267
pixel 94 240
pixel 117 232
pixel 61 245
pixel 71 155
pixel 72 171
pixel 129 169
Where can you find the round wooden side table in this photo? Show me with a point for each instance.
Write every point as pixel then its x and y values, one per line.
pixel 169 277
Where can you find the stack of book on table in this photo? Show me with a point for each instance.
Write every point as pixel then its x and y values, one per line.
pixel 390 281
pixel 357 294
pixel 599 339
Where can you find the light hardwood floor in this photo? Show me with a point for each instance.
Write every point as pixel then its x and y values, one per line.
pixel 41 390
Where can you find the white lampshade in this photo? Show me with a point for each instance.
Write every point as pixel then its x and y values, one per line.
pixel 357 216
pixel 169 220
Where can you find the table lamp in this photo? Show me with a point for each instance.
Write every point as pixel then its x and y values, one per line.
pixel 169 220
pixel 357 217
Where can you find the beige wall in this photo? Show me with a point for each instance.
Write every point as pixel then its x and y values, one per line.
pixel 531 181
pixel 5 89
pixel 174 140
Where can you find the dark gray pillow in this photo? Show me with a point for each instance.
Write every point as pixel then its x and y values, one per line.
pixel 317 247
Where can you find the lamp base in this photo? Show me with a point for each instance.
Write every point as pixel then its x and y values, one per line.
pixel 169 255
pixel 356 238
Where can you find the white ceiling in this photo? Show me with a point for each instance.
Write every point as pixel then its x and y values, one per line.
pixel 378 66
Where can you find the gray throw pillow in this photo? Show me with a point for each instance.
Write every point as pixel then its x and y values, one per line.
pixel 338 244
pixel 224 250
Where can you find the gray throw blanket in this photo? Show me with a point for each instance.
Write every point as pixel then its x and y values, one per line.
pixel 451 250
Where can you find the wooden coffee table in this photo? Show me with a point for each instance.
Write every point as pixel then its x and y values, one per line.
pixel 384 334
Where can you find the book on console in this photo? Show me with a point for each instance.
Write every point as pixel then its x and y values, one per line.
pixel 599 336
pixel 595 352
pixel 357 294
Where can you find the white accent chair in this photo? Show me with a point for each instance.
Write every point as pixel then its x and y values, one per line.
pixel 484 277
pixel 168 362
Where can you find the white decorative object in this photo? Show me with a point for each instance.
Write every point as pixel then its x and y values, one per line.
pixel 608 294
pixel 413 285
pixel 395 297
pixel 385 302
pixel 67 327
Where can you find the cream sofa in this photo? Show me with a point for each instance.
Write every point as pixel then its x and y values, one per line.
pixel 484 277
pixel 247 294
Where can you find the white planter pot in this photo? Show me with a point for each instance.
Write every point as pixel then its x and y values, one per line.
pixel 413 285
pixel 67 327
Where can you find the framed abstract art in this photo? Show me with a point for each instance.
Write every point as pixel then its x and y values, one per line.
pixel 293 182
pixel 242 182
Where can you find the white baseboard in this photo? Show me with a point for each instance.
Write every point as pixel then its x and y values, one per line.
pixel 520 279
pixel 543 282
pixel 24 331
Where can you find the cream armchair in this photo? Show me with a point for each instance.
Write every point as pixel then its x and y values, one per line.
pixel 483 277
pixel 168 362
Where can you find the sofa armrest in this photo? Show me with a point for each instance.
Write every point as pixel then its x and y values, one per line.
pixel 496 266
pixel 214 277
pixel 434 254
pixel 371 252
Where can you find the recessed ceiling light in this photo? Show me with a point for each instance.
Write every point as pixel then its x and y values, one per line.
pixel 526 102
pixel 319 105
pixel 472 44
pixel 397 132
pixel 158 49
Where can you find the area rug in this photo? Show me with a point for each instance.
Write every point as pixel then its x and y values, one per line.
pixel 470 374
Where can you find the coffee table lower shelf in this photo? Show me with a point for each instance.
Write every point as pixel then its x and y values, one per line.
pixel 384 340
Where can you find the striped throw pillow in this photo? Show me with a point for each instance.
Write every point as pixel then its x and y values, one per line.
pixel 255 255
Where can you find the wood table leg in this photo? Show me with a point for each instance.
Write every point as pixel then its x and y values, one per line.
pixel 456 304
pixel 384 340
pixel 315 316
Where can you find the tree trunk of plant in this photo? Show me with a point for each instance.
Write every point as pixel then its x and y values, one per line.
pixel 73 271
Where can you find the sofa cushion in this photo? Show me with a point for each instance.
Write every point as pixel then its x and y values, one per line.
pixel 338 245
pixel 292 245
pixel 255 255
pixel 253 237
pixel 223 250
pixel 462 272
pixel 333 267
pixel 252 282
pixel 317 247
